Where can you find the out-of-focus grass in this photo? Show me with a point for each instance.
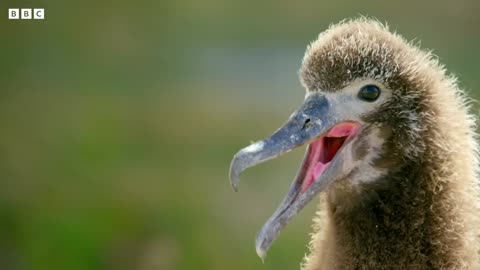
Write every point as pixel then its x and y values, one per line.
pixel 118 122
pixel 108 181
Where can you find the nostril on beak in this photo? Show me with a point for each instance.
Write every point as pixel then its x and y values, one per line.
pixel 306 124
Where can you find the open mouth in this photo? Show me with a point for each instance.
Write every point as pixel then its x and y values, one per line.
pixel 322 151
pixel 325 162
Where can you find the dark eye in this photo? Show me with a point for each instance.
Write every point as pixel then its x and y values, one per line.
pixel 369 93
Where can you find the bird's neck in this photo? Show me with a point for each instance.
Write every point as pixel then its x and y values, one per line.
pixel 411 223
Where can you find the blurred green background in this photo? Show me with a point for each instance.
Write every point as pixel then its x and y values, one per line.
pixel 118 120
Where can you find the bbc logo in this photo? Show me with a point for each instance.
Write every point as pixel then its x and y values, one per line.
pixel 26 13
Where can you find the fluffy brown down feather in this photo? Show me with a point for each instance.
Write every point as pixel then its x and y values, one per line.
pixel 425 213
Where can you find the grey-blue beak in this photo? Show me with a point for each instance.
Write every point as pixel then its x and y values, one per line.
pixel 307 123
pixel 312 120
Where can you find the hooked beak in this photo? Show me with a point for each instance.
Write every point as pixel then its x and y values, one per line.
pixel 313 123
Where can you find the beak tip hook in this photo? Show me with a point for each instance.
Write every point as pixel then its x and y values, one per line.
pixel 234 176
pixel 234 181
pixel 235 187
pixel 261 253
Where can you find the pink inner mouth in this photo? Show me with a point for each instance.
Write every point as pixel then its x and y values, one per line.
pixel 322 151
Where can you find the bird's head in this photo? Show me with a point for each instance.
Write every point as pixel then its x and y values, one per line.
pixel 363 116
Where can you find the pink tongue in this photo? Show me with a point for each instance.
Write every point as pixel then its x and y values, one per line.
pixel 313 174
pixel 318 169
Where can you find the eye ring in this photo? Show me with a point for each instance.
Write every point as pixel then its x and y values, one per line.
pixel 369 93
